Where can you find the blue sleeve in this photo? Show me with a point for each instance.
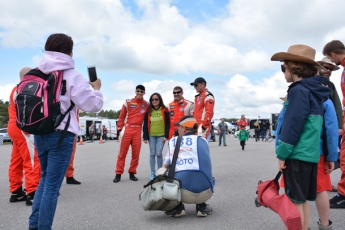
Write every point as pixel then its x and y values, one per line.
pixel 296 112
pixel 331 126
pixel 146 127
pixel 279 125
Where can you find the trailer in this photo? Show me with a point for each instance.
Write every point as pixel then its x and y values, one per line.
pixel 111 125
pixel 84 124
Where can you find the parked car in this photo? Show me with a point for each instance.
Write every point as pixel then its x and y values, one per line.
pixel 4 134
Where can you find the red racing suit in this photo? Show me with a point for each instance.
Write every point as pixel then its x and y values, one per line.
pixel 242 123
pixel 203 112
pixel 341 184
pixel 20 156
pixel 70 168
pixel 130 123
pixel 179 109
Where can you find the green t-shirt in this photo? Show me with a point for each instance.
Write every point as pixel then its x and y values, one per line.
pixel 157 127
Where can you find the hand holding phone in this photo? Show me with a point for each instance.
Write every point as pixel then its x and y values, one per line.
pixel 92 73
pixel 96 85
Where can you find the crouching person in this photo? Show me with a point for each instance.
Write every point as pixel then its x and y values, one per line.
pixel 193 169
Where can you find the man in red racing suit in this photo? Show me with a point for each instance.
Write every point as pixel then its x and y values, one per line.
pixel 178 108
pixel 242 123
pixel 203 107
pixel 130 127
pixel 22 164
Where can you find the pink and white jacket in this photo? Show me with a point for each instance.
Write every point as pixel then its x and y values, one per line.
pixel 78 89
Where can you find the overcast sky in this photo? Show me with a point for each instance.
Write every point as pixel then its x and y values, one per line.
pixel 162 44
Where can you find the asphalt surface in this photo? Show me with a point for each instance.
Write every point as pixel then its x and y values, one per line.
pixel 98 203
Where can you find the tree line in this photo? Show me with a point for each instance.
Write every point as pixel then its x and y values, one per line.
pixel 3 113
pixel 110 114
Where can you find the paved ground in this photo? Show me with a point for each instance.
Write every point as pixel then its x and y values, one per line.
pixel 98 203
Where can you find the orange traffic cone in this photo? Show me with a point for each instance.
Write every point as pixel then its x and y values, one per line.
pixel 81 140
pixel 101 140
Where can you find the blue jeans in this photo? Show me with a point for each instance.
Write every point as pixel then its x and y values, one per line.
pixel 263 134
pixel 222 135
pixel 156 148
pixel 54 161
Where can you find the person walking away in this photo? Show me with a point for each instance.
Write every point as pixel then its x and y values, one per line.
pixel 156 130
pixel 178 108
pixel 243 136
pixel 222 130
pixel 263 130
pixel 130 126
pixel 335 51
pixel 298 149
pixel 203 107
pixel 54 158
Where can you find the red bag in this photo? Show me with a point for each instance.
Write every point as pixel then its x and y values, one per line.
pixel 268 196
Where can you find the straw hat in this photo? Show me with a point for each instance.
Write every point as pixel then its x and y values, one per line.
pixel 283 98
pixel 301 53
pixel 326 60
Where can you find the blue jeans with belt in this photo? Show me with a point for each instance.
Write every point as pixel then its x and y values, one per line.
pixel 54 161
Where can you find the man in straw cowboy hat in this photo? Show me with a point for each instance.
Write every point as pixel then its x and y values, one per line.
pixel 328 67
pixel 335 51
pixel 298 149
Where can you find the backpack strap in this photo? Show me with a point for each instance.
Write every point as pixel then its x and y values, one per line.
pixel 171 174
pixel 67 123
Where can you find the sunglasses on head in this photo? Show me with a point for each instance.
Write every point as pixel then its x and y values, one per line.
pixel 140 91
pixel 154 99
pixel 177 92
pixel 327 68
pixel 283 68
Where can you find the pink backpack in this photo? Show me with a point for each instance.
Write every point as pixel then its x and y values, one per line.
pixel 37 102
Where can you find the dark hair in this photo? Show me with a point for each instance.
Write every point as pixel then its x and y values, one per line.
pixel 334 46
pixel 301 69
pixel 140 87
pixel 161 104
pixel 178 88
pixel 59 43
pixel 191 130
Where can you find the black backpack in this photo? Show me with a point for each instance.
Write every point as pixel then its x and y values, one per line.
pixel 37 102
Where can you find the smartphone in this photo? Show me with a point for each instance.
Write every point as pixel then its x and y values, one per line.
pixel 92 73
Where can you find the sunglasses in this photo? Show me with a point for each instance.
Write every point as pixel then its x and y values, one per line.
pixel 283 68
pixel 196 85
pixel 177 92
pixel 328 68
pixel 154 99
pixel 140 91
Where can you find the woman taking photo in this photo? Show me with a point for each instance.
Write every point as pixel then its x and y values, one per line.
pixel 54 158
pixel 156 130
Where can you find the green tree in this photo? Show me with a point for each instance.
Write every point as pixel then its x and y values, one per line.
pixel 4 113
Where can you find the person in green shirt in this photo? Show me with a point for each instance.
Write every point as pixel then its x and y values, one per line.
pixel 243 136
pixel 156 130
